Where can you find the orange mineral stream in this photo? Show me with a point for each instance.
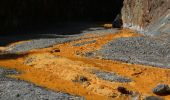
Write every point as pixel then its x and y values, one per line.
pixel 58 70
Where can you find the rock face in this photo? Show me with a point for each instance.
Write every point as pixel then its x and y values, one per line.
pixel 147 16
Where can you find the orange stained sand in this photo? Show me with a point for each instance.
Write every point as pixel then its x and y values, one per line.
pixel 59 70
pixel 67 49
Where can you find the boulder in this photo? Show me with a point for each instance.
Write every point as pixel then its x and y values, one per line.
pixel 117 23
pixel 162 89
pixel 124 90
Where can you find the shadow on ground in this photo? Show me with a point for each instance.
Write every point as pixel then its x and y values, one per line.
pixel 11 56
pixel 60 30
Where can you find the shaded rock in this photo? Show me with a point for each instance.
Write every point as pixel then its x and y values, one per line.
pixel 123 90
pixel 162 89
pixel 117 23
pixel 153 98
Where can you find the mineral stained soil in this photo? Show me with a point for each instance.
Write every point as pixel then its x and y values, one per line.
pixel 64 67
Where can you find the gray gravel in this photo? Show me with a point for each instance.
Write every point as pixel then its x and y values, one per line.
pixel 142 50
pixel 37 44
pixel 12 89
pixel 100 30
pixel 47 42
pixel 153 98
pixel 4 71
pixel 110 76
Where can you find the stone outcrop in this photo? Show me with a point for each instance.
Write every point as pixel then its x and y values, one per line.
pixel 147 16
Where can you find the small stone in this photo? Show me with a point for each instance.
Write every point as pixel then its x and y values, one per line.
pixel 162 89
pixel 89 54
pixel 123 90
pixel 80 79
pixel 18 95
pixel 83 79
pixel 55 50
pixel 153 98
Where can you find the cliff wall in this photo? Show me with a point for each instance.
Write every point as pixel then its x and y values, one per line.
pixel 147 16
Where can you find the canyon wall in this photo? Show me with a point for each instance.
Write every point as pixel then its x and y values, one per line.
pixel 147 16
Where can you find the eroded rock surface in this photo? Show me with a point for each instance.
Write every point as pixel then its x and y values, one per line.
pixel 147 16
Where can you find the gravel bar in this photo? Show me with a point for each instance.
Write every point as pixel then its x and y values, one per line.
pixel 12 89
pixel 142 50
pixel 47 42
pixel 110 76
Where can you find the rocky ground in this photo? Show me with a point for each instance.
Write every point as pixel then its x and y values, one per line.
pixel 142 50
pixel 48 40
pixel 87 66
pixel 12 89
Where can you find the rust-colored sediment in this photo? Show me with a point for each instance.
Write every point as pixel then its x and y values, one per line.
pixel 58 70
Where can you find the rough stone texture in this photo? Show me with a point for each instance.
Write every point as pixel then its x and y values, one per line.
pixel 12 89
pixel 147 16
